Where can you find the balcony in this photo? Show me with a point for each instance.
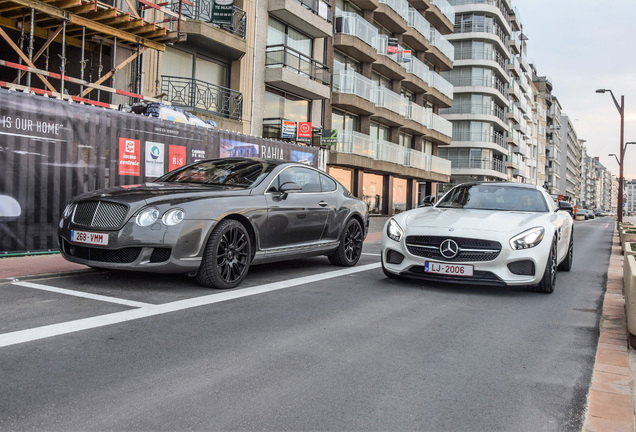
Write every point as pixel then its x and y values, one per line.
pixel 226 40
pixel 292 71
pixel 440 90
pixel 478 166
pixel 314 17
pixel 418 31
pixel 356 37
pixel 442 15
pixel 442 52
pixel 387 64
pixel 392 15
pixel 484 85
pixel 196 95
pixel 366 4
pixel 390 107
pixel 353 92
pixel 418 119
pixel 418 76
pixel 491 140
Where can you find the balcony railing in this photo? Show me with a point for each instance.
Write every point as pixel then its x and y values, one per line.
pixel 442 125
pixel 497 3
pixel 441 43
pixel 446 8
pixel 419 69
pixel 471 27
pixel 390 100
pixel 390 152
pixel 419 23
pixel 441 84
pixel 355 143
pixel 202 10
pixel 493 82
pixel 319 7
pixel 399 6
pixel 348 81
pixel 353 24
pixel 381 46
pixel 197 95
pixel 491 137
pixel 284 56
pixel 470 108
pixel 480 54
pixel 467 162
pixel 440 165
pixel 419 114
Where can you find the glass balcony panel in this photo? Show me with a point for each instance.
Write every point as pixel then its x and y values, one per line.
pixel 440 165
pixel 399 6
pixel 390 100
pixel 419 114
pixel 419 69
pixel 419 23
pixel 354 25
pixel 441 84
pixel 390 152
pixel 447 10
pixel 419 160
pixel 442 125
pixel 441 43
pixel 348 81
pixel 356 143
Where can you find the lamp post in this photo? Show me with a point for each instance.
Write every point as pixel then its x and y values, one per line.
pixel 621 111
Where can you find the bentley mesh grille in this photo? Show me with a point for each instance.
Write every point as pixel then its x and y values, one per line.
pixel 100 214
pixel 119 256
pixel 470 249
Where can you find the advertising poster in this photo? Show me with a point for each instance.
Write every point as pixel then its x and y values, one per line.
pixel 129 156
pixel 154 159
pixel 177 157
pixel 304 132
pixel 288 129
pixel 197 155
pixel 302 157
pixel 231 148
pixel 406 56
pixel 329 137
pixel 392 47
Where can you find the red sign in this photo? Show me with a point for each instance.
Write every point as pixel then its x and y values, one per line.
pixel 129 156
pixel 177 155
pixel 304 129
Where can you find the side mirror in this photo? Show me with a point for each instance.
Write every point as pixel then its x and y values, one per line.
pixel 428 201
pixel 289 187
pixel 566 206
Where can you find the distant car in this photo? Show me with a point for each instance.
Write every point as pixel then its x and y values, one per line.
pixel 482 233
pixel 215 218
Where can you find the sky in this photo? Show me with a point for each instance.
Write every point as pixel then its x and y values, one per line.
pixel 585 45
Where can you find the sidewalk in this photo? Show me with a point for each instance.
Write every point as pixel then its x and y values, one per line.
pixel 611 399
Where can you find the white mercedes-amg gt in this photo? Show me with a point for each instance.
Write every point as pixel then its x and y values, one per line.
pixel 483 233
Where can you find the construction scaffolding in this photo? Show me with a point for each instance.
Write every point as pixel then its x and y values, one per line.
pixel 74 49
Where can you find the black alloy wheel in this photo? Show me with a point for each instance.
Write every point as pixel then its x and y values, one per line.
pixel 350 247
pixel 227 256
pixel 548 281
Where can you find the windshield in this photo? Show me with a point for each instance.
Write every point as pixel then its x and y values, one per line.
pixel 238 172
pixel 494 197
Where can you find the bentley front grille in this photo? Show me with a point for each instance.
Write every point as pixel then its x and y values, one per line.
pixel 469 249
pixel 100 214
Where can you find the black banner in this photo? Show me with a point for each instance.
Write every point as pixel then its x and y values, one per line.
pixel 51 150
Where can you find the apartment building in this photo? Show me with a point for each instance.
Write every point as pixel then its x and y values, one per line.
pixel 553 147
pixel 630 197
pixel 490 108
pixel 570 185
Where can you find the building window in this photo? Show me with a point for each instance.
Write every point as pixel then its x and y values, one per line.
pixel 279 33
pixel 343 121
pixel 399 195
pixel 343 175
pixel 372 192
pixel 280 105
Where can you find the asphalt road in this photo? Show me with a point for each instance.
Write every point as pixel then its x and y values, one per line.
pixel 301 345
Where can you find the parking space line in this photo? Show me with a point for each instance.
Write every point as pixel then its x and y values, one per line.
pixel 148 310
pixel 83 294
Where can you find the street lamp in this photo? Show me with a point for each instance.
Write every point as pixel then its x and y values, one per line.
pixel 617 161
pixel 621 111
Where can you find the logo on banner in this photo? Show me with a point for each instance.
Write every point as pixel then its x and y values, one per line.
pixel 197 155
pixel 177 157
pixel 304 132
pixel 406 56
pixel 154 159
pixel 329 136
pixel 129 156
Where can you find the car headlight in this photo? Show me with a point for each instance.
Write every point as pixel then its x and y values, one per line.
pixel 147 217
pixel 68 211
pixel 527 239
pixel 394 231
pixel 173 216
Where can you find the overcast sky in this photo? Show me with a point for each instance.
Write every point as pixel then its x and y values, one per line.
pixel 584 45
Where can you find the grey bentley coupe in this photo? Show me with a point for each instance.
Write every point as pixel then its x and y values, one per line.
pixel 215 218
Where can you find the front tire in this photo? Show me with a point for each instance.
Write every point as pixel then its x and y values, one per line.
pixel 566 265
pixel 350 247
pixel 548 282
pixel 227 256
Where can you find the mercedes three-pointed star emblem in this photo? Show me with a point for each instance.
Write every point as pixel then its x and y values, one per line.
pixel 449 249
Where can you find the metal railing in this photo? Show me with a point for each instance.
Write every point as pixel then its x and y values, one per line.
pixel 319 7
pixel 419 69
pixel 442 125
pixel 441 84
pixel 419 23
pixel 467 162
pixel 441 43
pixel 471 108
pixel 491 137
pixel 353 24
pixel 480 54
pixel 203 10
pixel 440 165
pixel 355 143
pixel 197 95
pixel 285 56
pixel 399 6
pixel 499 4
pixel 419 114
pixel 447 10
pixel 381 46
pixel 471 27
pixel 492 82
pixel 390 100
pixel 351 82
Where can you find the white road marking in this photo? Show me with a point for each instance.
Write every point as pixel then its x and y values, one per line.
pixel 82 294
pixel 22 336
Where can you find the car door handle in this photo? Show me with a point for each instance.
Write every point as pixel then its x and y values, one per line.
pixel 323 204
